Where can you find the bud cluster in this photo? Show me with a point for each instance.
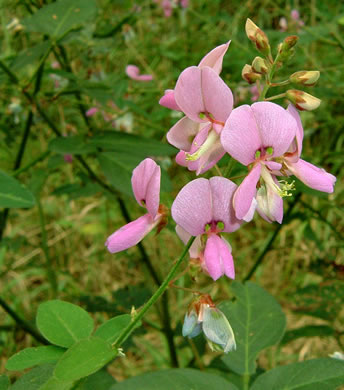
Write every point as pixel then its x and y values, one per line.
pixel 266 67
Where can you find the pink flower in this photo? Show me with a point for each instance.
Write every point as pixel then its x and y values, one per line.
pixel 311 175
pixel 204 208
pixel 207 102
pixel 184 3
pixel 213 59
pixel 146 188
pixel 283 24
pixel 134 73
pixel 268 139
pixel 255 93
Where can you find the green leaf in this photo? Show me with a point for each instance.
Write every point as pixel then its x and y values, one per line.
pixel 63 323
pixel 84 358
pixel 132 144
pixel 55 384
pixel 30 56
pixel 257 321
pixel 117 168
pixel 110 330
pixel 35 378
pixel 13 194
pixel 316 374
pixel 71 145
pixel 5 382
pixel 175 379
pixel 30 357
pixel 58 18
pixel 100 380
pixel 308 331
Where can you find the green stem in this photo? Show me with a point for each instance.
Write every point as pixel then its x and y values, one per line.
pixel 268 79
pixel 49 264
pixel 246 381
pixel 281 95
pixel 271 240
pixel 129 329
pixel 31 164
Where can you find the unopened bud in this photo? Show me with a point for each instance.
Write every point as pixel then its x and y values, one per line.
pixel 302 100
pixel 258 37
pixel 304 77
pixel 285 49
pixel 259 65
pixel 249 75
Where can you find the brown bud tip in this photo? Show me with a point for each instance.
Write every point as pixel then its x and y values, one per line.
pixel 259 65
pixel 304 77
pixel 249 75
pixel 302 100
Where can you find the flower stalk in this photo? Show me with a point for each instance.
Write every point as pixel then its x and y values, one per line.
pixel 164 285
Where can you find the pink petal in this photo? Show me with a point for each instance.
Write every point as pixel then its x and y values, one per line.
pixel 246 192
pixel 299 130
pixel 201 90
pixel 277 128
pixel 222 191
pixel 169 101
pixel 196 247
pixel 240 136
pixel 134 73
pixel 312 176
pixel 130 234
pixel 192 207
pixel 214 58
pixel 188 93
pixel 92 111
pixel 218 258
pixel 181 159
pixel 182 133
pixel 217 97
pixel 146 185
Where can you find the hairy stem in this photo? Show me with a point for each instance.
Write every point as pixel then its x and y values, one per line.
pixel 23 324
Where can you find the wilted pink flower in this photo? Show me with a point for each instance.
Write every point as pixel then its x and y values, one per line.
pixel 92 111
pixel 207 102
pixel 268 139
pixel 167 7
pixel 68 158
pixel 204 207
pixel 134 73
pixel 146 188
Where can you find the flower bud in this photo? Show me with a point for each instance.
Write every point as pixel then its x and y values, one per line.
pixel 258 37
pixel 302 100
pixel 259 65
pixel 304 77
pixel 249 75
pixel 285 49
pixel 290 42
